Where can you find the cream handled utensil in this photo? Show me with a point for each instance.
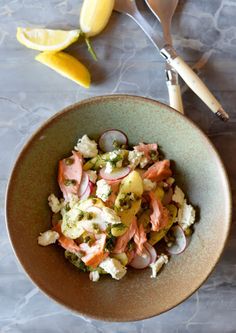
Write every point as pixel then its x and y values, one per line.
pixel 129 8
pixel 164 10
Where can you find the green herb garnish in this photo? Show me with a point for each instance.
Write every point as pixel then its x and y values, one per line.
pixel 75 260
pixel 69 161
pixel 69 182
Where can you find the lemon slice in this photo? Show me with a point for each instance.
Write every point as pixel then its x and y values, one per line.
pixel 67 66
pixel 46 39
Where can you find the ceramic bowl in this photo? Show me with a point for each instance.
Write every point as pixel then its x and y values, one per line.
pixel 198 170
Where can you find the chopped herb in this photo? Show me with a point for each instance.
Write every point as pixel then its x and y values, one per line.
pixel 87 239
pixel 154 155
pixel 89 216
pixel 95 228
pixel 67 207
pixel 80 215
pixel 75 260
pixel 119 226
pixel 69 182
pixel 116 144
pixel 125 200
pixel 69 161
pixel 130 245
pixel 110 244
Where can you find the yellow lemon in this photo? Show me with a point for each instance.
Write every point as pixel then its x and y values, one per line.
pixel 95 15
pixel 46 39
pixel 67 66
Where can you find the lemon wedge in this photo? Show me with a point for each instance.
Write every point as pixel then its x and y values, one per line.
pixel 67 66
pixel 95 15
pixel 46 39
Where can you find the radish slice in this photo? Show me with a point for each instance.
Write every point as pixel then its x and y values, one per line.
pixel 97 219
pixel 180 240
pixel 83 184
pixel 86 194
pixel 92 186
pixel 140 262
pixel 152 252
pixel 116 174
pixel 108 137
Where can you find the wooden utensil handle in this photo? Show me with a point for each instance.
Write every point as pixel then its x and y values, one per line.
pixel 175 97
pixel 194 82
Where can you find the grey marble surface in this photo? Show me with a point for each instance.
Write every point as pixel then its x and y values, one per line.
pixel 128 63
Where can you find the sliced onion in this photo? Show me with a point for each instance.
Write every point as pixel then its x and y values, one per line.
pixel 180 241
pixel 116 174
pixel 83 184
pixel 152 252
pixel 108 137
pixel 86 194
pixel 140 262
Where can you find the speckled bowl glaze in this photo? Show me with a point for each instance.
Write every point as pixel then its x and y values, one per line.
pixel 199 171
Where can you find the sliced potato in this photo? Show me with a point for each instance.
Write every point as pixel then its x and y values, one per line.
pixel 144 219
pixel 84 205
pixel 131 184
pixel 71 229
pixel 159 193
pixel 128 214
pixel 118 229
pixel 122 257
pixel 99 161
pixel 95 163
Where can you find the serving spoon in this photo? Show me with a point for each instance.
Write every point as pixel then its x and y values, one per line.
pixel 164 11
pixel 129 8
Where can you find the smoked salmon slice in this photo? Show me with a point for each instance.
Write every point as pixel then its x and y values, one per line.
pixel 94 255
pixel 140 238
pixel 69 174
pixel 160 215
pixel 123 240
pixel 158 171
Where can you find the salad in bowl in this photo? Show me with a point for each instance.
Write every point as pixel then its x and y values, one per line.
pixel 120 208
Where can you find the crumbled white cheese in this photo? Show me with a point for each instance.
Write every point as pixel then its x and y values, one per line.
pixel 186 215
pixel 157 265
pixel 114 154
pixel 103 190
pixel 148 185
pixel 113 267
pixel 178 195
pixel 115 160
pixel 92 176
pixel 144 161
pixel 87 147
pixel 134 158
pixel 48 237
pixel 54 203
pixel 109 167
pixel 110 216
pixel 94 276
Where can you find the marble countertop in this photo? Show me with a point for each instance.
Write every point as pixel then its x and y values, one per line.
pixel 203 31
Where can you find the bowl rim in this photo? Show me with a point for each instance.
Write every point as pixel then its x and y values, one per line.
pixel 93 100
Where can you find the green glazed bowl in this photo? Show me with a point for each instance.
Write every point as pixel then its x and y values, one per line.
pixel 199 171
